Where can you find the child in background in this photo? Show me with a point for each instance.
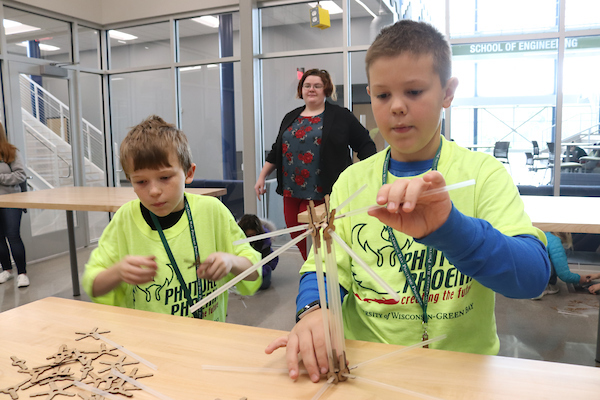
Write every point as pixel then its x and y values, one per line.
pixel 167 249
pixel 557 243
pixel 445 254
pixel 252 226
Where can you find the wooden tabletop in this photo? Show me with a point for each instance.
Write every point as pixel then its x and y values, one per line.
pixel 82 198
pixel 179 347
pixel 549 213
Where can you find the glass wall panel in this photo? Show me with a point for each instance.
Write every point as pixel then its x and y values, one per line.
pixel 361 101
pixel 287 28
pixel 491 17
pixel 280 83
pixel 582 14
pixel 198 37
pixel 34 36
pixel 201 118
pixel 367 18
pixel 506 93
pixel 136 96
pixel 581 112
pixel 93 144
pixel 139 46
pixel 89 47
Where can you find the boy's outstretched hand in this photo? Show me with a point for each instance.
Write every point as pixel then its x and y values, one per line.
pixel 406 212
pixel 307 338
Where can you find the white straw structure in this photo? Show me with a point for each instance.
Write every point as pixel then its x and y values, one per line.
pixel 271 234
pixel 247 272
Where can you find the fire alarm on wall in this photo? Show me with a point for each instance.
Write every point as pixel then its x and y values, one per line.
pixel 319 18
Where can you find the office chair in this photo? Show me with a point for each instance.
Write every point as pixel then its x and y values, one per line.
pixel 501 153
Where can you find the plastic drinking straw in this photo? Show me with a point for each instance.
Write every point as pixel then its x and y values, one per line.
pixel 393 388
pixel 134 382
pixel 323 300
pixel 271 234
pixel 352 197
pixel 323 389
pixel 249 271
pixel 394 353
pixel 128 352
pixel 94 390
pixel 366 267
pixel 250 369
pixel 426 193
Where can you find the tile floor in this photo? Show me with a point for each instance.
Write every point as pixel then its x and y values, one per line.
pixel 559 328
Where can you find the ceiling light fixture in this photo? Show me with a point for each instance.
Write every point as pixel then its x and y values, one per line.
pixel 367 9
pixel 13 27
pixel 328 5
pixel 120 35
pixel 207 20
pixel 44 47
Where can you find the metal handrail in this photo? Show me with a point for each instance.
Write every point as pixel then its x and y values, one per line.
pixel 50 146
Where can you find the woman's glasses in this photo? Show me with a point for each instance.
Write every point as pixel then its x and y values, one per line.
pixel 318 86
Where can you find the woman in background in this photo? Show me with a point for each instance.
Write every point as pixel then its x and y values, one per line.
pixel 12 174
pixel 313 148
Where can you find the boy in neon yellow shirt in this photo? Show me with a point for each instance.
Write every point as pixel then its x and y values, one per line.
pixel 146 256
pixel 444 254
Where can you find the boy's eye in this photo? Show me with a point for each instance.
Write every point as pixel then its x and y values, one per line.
pixel 140 182
pixel 382 96
pixel 414 92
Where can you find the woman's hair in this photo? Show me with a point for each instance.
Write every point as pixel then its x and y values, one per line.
pixel 8 152
pixel 251 221
pixel 566 238
pixel 150 143
pixel 328 87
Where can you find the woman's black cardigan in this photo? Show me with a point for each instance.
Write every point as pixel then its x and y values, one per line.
pixel 341 130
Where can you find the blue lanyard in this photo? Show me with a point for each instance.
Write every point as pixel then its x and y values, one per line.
pixel 430 254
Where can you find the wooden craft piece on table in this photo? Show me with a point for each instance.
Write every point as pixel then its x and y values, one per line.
pixel 12 390
pixel 118 365
pixel 103 351
pixel 93 334
pixel 16 362
pixel 55 391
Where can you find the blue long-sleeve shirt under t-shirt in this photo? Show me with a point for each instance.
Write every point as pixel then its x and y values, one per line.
pixel 516 267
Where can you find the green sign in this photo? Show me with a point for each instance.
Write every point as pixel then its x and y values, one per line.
pixel 520 46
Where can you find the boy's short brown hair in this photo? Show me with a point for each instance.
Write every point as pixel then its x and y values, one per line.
pixel 328 87
pixel 150 143
pixel 418 38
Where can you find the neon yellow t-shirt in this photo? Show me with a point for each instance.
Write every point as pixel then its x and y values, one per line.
pixel 129 234
pixel 459 306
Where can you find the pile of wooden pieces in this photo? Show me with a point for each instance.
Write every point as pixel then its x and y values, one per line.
pixel 71 367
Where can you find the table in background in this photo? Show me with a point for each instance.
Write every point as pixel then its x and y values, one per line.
pixel 179 346
pixel 80 198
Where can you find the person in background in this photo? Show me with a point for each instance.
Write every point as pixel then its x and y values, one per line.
pixel 12 174
pixel 557 243
pixel 312 148
pixel 252 226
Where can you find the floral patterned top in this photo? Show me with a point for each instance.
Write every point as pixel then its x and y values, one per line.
pixel 301 150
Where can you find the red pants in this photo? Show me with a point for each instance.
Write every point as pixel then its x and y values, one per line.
pixel 291 208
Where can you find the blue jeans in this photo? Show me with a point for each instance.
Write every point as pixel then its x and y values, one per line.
pixel 10 231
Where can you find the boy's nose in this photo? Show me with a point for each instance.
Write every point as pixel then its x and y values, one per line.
pixel 398 106
pixel 155 190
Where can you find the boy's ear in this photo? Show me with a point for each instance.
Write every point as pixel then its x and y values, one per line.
pixel 449 91
pixel 368 91
pixel 189 176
